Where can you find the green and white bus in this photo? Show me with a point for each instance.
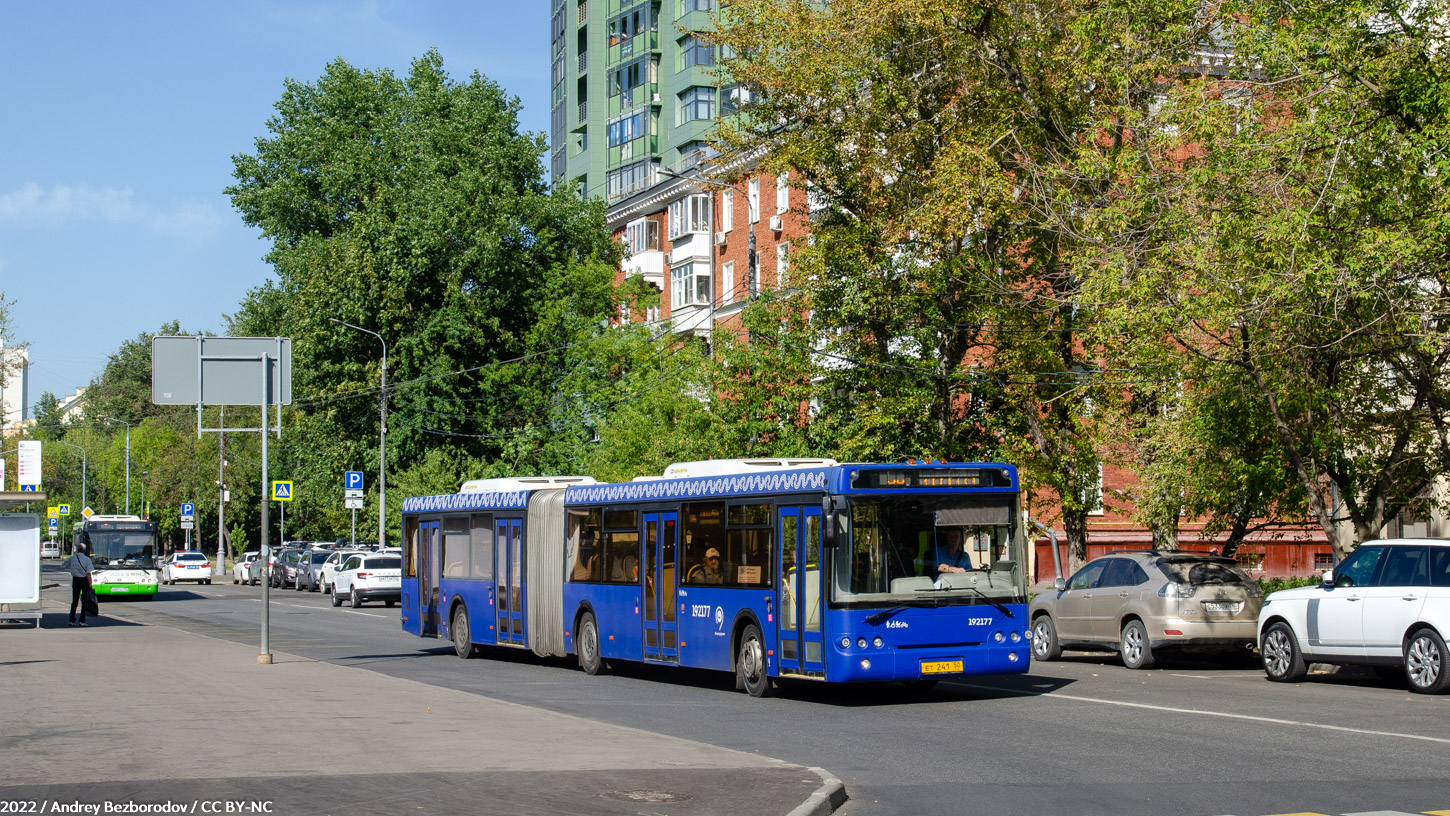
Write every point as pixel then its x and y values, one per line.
pixel 123 549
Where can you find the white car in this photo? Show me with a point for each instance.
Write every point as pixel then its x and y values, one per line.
pixel 239 569
pixel 1386 606
pixel 368 577
pixel 49 549
pixel 186 566
pixel 328 572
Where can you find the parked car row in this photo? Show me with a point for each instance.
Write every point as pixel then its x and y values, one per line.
pixel 1387 606
pixel 355 575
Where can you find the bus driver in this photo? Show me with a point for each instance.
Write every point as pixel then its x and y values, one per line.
pixel 712 574
pixel 955 559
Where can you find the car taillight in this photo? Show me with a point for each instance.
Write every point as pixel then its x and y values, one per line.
pixel 364 575
pixel 1173 590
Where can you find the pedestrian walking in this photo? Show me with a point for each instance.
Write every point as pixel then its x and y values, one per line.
pixel 81 594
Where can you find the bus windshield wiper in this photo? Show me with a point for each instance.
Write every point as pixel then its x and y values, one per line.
pixel 993 602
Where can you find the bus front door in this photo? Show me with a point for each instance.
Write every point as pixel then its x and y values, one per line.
pixel 428 574
pixel 799 626
pixel 509 581
pixel 660 579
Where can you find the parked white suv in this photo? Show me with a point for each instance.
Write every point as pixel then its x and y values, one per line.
pixel 368 577
pixel 1387 606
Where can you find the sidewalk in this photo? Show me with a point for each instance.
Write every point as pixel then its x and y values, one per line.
pixel 118 712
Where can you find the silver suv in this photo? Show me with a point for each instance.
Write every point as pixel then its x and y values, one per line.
pixel 1137 603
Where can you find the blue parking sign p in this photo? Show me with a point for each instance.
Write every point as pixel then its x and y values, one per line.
pixel 353 480
pixel 188 509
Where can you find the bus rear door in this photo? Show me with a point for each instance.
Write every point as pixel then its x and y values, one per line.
pixel 428 575
pixel 799 627
pixel 509 581
pixel 660 579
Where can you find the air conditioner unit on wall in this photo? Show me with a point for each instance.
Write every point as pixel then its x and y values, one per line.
pixel 776 223
pixel 720 239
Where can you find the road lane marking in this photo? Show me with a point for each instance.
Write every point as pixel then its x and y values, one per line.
pixel 1201 712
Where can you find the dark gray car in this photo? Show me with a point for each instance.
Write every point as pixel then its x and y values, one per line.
pixel 309 569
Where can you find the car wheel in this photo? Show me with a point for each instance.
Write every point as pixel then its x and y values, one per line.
pixel 336 598
pixel 586 645
pixel 750 669
pixel 356 601
pixel 1137 652
pixel 391 603
pixel 1425 667
pixel 1044 639
pixel 462 636
pixel 208 582
pixel 1283 661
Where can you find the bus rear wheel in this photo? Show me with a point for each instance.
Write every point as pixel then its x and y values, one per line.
pixel 750 669
pixel 586 645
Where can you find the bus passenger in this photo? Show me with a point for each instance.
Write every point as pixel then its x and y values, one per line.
pixel 712 573
pixel 955 559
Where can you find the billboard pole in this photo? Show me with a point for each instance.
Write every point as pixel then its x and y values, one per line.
pixel 264 657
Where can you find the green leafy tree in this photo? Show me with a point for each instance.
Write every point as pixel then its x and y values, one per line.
pixel 960 149
pixel 1292 243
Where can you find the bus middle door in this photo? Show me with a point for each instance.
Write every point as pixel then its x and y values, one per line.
pixel 660 578
pixel 509 581
pixel 799 623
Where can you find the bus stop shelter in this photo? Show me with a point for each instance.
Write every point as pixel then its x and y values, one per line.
pixel 20 557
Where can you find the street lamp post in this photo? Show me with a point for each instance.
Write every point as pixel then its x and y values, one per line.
pixel 144 474
pixel 83 478
pixel 382 434
pixel 128 458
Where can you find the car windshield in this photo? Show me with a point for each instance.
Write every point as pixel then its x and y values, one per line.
pixel 1199 572
pixel 191 557
pixel 384 563
pixel 893 550
pixel 319 557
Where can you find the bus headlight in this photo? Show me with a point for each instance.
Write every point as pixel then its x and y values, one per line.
pixel 865 662
pixel 845 643
pixel 860 643
pixel 1012 657
pixel 878 642
pixel 1016 636
pixel 998 636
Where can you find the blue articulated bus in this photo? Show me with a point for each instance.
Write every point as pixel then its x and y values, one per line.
pixel 776 568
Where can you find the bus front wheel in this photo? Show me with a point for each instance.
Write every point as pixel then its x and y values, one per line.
pixel 750 668
pixel 586 644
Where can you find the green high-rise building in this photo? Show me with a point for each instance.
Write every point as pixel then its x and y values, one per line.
pixel 634 91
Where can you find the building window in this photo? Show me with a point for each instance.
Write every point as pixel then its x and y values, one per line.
pixel 1323 561
pixel 689 285
pixel 782 192
pixel 727 211
pixel 1093 496
pixel 752 199
pixel 695 52
pixel 697 104
pixel 689 215
pixel 687 6
pixel 627 129
pixel 782 263
pixel 727 282
pixel 629 180
pixel 642 236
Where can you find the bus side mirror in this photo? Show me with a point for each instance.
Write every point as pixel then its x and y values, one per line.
pixel 829 533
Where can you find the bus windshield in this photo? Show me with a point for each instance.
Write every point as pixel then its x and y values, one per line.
pixel 937 549
pixel 121 548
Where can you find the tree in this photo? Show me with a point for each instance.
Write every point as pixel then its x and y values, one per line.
pixel 414 207
pixel 959 150
pixel 1294 247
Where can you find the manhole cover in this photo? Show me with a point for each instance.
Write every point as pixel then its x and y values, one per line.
pixel 653 797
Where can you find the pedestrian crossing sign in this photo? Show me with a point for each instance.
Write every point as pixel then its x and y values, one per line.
pixel 281 491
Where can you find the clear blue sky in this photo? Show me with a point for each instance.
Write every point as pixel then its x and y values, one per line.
pixel 117 128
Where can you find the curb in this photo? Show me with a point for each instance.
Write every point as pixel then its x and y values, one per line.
pixel 829 796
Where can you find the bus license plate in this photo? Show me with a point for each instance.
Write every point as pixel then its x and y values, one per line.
pixel 942 667
pixel 120 589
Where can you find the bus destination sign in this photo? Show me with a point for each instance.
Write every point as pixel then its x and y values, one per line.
pixel 909 478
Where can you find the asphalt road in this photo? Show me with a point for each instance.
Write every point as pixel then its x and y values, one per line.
pixel 1081 735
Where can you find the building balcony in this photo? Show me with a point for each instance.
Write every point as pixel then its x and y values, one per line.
pixel 649 264
pixel 631 151
pixel 638 96
pixel 646 42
